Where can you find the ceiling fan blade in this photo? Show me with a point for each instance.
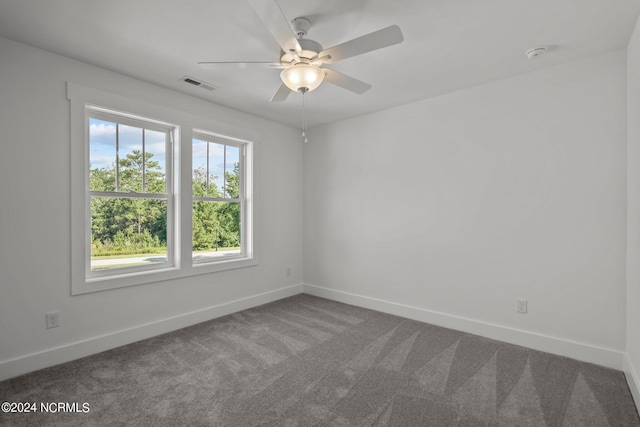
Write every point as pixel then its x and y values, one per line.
pixel 372 41
pixel 345 82
pixel 281 94
pixel 271 15
pixel 210 65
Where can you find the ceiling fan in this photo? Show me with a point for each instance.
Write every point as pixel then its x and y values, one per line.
pixel 303 60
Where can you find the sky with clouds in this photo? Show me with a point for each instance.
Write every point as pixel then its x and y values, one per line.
pixel 102 149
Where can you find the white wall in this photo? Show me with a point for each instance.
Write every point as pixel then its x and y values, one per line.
pixel 449 209
pixel 632 360
pixel 35 224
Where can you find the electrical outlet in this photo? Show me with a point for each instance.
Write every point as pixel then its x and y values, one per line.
pixel 288 271
pixel 522 306
pixel 53 319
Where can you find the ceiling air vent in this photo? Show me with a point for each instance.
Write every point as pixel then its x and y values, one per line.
pixel 199 83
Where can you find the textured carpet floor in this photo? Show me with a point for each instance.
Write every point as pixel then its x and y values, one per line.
pixel 309 361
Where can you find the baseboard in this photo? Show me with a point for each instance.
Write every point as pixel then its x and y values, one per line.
pixel 632 379
pixel 575 350
pixel 68 352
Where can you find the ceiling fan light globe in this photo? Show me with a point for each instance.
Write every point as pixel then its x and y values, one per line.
pixel 302 76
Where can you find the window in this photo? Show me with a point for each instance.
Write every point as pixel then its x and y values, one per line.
pixel 152 198
pixel 218 198
pixel 131 193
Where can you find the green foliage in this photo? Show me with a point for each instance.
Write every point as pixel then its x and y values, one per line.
pixel 215 224
pixel 129 244
pixel 121 225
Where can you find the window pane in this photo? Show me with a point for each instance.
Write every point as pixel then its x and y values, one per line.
pixel 199 177
pixel 155 161
pixel 216 230
pixel 102 155
pixel 232 172
pixel 127 232
pixel 130 158
pixel 216 169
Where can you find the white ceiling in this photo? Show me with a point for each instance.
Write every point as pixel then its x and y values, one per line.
pixel 449 44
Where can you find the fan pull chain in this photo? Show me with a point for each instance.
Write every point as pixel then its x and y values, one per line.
pixel 304 120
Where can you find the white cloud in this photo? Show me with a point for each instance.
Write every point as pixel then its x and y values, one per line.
pixel 102 130
pixel 101 161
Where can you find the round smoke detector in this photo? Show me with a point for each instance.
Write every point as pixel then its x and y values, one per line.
pixel 535 52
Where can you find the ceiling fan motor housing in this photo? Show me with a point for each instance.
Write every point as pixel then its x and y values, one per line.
pixel 310 50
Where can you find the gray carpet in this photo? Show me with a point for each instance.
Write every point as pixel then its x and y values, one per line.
pixel 307 361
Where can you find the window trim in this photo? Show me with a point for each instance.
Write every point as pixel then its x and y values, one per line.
pixel 187 124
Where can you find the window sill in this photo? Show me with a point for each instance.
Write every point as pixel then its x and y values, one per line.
pixel 97 284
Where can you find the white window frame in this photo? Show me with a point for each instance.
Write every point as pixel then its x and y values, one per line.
pixel 146 123
pixel 185 125
pixel 244 190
